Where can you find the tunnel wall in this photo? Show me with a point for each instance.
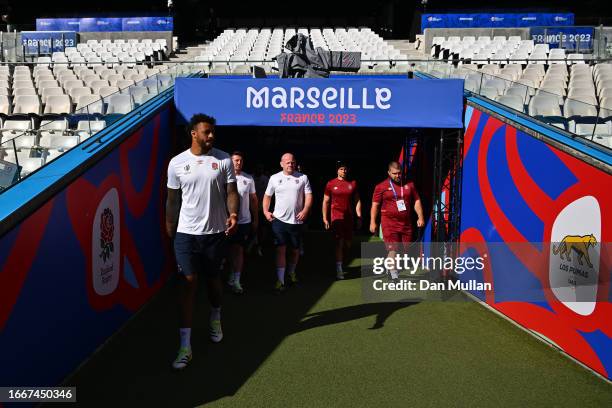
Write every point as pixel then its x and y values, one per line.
pixel 74 269
pixel 524 194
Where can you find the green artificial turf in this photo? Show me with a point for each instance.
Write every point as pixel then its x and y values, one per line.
pixel 320 345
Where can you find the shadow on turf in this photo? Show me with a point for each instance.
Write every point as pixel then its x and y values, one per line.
pixel 382 311
pixel 134 367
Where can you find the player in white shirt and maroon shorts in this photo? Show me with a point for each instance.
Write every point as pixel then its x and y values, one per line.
pixel 293 200
pixel 248 220
pixel 201 211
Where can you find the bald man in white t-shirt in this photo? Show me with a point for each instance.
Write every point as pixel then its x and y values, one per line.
pixel 293 200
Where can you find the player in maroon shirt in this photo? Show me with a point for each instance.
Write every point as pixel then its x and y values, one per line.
pixel 395 200
pixel 343 196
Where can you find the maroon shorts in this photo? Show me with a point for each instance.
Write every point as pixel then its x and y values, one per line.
pixel 342 228
pixel 397 238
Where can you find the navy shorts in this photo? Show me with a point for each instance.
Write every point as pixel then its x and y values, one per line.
pixel 287 234
pixel 200 253
pixel 242 235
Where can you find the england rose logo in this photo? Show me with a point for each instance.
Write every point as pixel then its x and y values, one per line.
pixel 107 230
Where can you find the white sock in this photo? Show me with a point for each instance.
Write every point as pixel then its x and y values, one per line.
pixel 237 277
pixel 280 274
pixel 215 313
pixel 338 266
pixel 291 268
pixel 185 337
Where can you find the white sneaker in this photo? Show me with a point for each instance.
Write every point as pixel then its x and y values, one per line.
pixel 339 275
pixel 237 288
pixel 183 359
pixel 216 334
pixel 231 281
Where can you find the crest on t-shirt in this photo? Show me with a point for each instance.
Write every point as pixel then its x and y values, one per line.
pixel 244 182
pixel 350 186
pixel 335 187
pixel 187 167
pixel 297 181
pixel 215 166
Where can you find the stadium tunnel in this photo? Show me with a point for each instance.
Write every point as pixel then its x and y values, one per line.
pixel 111 189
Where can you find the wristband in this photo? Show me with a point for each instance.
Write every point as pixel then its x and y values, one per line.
pixel 233 215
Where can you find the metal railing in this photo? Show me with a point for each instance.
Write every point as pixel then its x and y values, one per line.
pixel 31 141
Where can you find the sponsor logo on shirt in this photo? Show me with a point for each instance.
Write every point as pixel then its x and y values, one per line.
pixel 336 187
pixel 350 187
pixel 187 168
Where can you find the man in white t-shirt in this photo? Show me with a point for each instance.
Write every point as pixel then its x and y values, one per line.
pixel 201 211
pixel 293 199
pixel 248 220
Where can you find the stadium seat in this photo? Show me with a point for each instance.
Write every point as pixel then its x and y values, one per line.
pixel 26 104
pixel 86 128
pixel 5 105
pixel 74 83
pixel 546 107
pixel 107 91
pixel 513 101
pixel 53 127
pixel 119 103
pixel 24 91
pixel 75 93
pixel 97 85
pixel 58 142
pixel 24 142
pixel 58 104
pixel 89 104
pixel 47 92
pixel 29 165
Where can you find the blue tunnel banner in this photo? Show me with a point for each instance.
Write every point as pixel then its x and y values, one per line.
pixel 371 102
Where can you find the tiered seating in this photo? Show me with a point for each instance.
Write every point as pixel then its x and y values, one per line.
pixel 499 50
pixel 110 52
pixel 236 50
pixel 45 111
pixel 577 98
pixel 64 90
pixel 32 149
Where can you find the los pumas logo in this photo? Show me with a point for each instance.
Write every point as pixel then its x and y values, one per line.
pixel 575 245
pixel 215 166
pixel 187 168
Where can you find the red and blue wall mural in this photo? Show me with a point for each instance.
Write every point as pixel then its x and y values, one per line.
pixel 540 203
pixel 83 263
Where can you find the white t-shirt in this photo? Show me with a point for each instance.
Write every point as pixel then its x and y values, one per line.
pixel 202 181
pixel 290 191
pixel 246 187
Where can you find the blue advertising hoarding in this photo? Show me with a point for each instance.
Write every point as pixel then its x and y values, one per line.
pixel 101 24
pixel 46 42
pixel 488 20
pixel 105 24
pixel 570 38
pixel 359 102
